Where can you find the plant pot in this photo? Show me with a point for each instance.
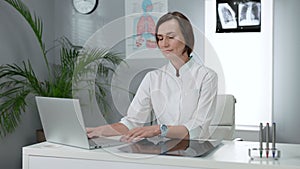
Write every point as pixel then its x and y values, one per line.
pixel 40 136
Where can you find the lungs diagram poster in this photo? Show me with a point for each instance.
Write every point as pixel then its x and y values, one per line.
pixel 140 21
pixel 238 16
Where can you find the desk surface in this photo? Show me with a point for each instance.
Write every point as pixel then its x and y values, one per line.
pixel 230 154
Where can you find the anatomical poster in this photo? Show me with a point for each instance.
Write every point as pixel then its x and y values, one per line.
pixel 141 17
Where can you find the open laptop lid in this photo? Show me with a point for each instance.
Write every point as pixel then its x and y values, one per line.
pixel 60 123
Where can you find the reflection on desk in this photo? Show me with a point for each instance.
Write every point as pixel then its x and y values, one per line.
pixel 175 147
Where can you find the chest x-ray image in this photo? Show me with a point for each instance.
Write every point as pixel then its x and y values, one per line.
pixel 227 16
pixel 238 16
pixel 249 13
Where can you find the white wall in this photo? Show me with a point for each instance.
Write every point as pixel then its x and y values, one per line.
pixel 246 60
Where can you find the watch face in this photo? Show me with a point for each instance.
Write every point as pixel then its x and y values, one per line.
pixel 164 130
pixel 164 127
pixel 85 6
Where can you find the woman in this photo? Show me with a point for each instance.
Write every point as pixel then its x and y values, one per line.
pixel 182 93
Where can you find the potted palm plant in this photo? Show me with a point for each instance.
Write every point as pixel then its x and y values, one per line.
pixel 18 82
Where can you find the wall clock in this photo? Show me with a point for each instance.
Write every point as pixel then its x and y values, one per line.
pixel 85 6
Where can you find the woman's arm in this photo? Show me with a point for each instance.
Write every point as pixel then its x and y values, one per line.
pixel 198 125
pixel 179 132
pixel 137 114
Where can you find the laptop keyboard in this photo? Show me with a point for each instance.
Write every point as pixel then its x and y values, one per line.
pixel 101 142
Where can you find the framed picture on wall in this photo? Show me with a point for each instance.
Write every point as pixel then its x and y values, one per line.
pixel 141 18
pixel 238 16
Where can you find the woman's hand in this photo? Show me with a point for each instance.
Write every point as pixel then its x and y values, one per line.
pixel 107 130
pixel 94 132
pixel 140 133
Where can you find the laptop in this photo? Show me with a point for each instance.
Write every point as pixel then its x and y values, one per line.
pixel 63 123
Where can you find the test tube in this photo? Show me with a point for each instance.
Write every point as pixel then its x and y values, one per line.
pixel 273 139
pixel 267 139
pixel 260 139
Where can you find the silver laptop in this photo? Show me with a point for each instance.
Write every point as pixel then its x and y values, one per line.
pixel 63 123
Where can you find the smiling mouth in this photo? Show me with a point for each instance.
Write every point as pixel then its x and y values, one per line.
pixel 167 51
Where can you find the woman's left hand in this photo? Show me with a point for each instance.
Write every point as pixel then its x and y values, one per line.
pixel 140 133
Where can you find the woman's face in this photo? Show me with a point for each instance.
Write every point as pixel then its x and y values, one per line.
pixel 170 40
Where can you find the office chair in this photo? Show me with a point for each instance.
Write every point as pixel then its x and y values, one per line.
pixel 223 123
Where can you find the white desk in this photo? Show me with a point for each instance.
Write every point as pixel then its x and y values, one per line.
pixel 229 155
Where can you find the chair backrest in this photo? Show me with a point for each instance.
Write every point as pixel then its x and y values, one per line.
pixel 223 123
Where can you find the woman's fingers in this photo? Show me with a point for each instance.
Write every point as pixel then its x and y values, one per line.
pixel 93 132
pixel 89 130
pixel 139 133
pixel 133 135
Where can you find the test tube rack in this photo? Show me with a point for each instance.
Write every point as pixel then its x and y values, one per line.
pixel 256 153
pixel 267 152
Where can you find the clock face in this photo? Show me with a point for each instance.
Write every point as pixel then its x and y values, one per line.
pixel 85 6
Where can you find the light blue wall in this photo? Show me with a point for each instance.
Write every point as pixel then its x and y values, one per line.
pixel 286 70
pixel 17 44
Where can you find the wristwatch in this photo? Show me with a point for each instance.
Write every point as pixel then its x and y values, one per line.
pixel 163 130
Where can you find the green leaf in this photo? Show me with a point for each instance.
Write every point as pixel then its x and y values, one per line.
pixel 11 112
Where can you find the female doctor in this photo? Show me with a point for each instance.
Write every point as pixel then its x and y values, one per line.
pixel 182 93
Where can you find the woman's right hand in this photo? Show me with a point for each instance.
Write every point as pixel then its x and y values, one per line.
pixel 107 130
pixel 94 132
